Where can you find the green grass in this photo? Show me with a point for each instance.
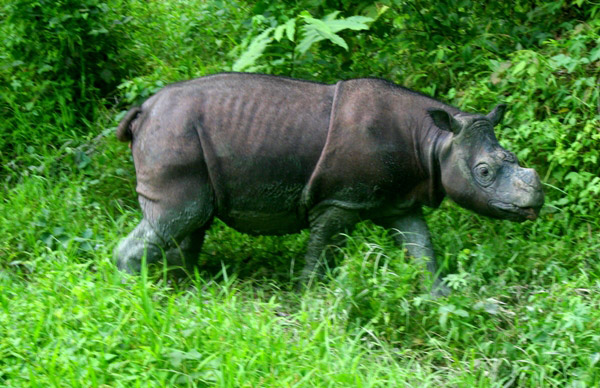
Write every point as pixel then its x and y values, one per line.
pixel 524 311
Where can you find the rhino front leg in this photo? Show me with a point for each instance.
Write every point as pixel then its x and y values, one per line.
pixel 412 233
pixel 325 229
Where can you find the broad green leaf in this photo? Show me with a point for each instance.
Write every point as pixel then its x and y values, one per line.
pixel 355 23
pixel 325 31
pixel 290 29
pixel 449 308
pixel 443 320
pixel 595 54
pixel 254 51
pixel 278 34
pixel 310 37
pixel 519 67
pixel 316 30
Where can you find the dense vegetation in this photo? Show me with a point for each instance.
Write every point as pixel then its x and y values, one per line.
pixel 525 310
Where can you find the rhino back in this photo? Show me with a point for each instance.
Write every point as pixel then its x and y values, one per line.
pixel 258 138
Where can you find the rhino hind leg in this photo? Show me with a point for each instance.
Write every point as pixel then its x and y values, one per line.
pixel 145 241
pixel 142 242
pixel 175 233
pixel 325 233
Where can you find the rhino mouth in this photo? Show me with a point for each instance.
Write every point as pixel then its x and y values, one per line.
pixel 511 211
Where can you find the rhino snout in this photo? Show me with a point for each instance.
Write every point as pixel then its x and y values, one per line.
pixel 521 199
pixel 529 188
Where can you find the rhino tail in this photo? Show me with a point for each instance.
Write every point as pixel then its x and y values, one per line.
pixel 124 133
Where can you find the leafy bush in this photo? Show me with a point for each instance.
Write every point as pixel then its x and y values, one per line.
pixel 295 45
pixel 196 37
pixel 58 61
pixel 554 114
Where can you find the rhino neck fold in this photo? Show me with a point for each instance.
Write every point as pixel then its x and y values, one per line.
pixel 430 142
pixel 381 147
pixel 307 199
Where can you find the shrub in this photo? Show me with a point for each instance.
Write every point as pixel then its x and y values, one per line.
pixel 59 59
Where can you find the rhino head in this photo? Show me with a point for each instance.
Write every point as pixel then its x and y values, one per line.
pixel 478 174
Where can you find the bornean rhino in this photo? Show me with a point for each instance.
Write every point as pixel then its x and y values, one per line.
pixel 274 155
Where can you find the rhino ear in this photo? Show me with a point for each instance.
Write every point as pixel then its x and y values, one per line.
pixel 444 120
pixel 497 114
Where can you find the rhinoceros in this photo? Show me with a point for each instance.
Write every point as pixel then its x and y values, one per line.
pixel 274 155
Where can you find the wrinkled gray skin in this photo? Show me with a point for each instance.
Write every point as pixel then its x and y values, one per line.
pixel 271 155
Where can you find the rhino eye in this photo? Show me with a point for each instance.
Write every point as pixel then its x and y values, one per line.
pixel 484 174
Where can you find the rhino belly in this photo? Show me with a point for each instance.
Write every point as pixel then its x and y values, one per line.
pixel 262 194
pixel 268 208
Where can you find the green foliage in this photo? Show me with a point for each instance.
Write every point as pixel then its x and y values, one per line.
pixel 554 114
pixel 316 30
pixel 79 41
pixel 58 59
pixel 311 31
